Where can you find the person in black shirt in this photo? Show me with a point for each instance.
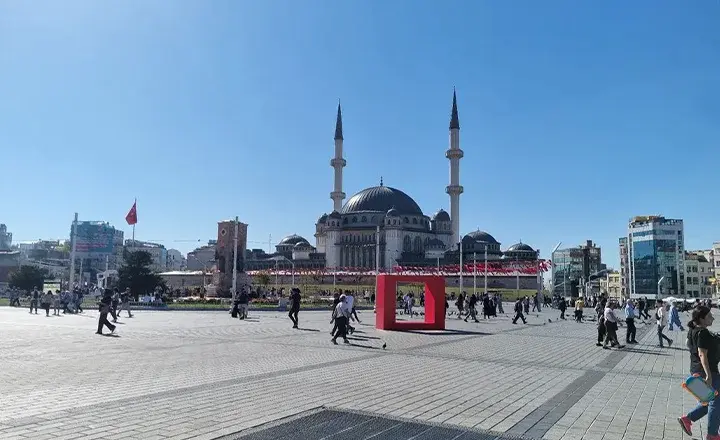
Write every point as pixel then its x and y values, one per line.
pixel 471 308
pixel 519 311
pixel 704 349
pixel 34 298
pixel 104 305
pixel 294 306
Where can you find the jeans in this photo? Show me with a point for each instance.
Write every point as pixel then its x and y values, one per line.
pixel 661 336
pixel 103 321
pixel 519 315
pixel 631 330
pixel 712 410
pixel 33 305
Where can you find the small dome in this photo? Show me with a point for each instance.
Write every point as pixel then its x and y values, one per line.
pixel 335 215
pixel 441 216
pixel 292 240
pixel 302 245
pixel 322 218
pixel 393 212
pixel 482 236
pixel 436 243
pixel 520 247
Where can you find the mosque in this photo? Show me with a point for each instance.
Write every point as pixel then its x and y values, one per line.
pixel 347 237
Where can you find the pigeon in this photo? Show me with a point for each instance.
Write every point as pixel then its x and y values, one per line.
pixel 549 320
pixel 384 346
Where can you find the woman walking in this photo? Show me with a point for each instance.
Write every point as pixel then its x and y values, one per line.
pixel 704 358
pixel 46 302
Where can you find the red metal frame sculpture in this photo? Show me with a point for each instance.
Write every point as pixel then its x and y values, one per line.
pixel 386 302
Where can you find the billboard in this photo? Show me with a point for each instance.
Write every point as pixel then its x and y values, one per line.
pixel 94 238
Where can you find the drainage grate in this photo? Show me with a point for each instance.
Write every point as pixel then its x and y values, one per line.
pixel 343 425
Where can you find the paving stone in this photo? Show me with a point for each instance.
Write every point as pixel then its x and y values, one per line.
pixel 203 375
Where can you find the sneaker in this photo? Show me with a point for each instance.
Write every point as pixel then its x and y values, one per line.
pixel 686 425
pixel 333 341
pixel 599 344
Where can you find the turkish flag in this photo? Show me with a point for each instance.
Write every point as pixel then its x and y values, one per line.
pixel 131 217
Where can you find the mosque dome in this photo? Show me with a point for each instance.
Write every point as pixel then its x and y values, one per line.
pixel 441 216
pixel 520 247
pixel 482 236
pixel 292 240
pixel 302 245
pixel 322 218
pixel 381 199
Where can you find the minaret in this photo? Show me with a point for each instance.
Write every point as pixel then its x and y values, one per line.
pixel 338 163
pixel 454 153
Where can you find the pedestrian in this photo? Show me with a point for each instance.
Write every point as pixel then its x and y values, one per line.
pixel 243 301
pixel 459 304
pixel 704 357
pixel 34 298
pixel 675 317
pixel 46 302
pixel 114 303
pixel 611 325
pixel 562 306
pixel 340 317
pixel 579 306
pixel 661 315
pixel 56 303
pixel 519 312
pixel 630 321
pixel 601 331
pixel 526 305
pixel 294 306
pixel 125 302
pixel 471 312
pixel 105 306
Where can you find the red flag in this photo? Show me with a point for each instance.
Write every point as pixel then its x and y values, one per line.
pixel 131 217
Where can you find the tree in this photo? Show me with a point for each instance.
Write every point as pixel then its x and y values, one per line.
pixel 263 279
pixel 29 277
pixel 137 275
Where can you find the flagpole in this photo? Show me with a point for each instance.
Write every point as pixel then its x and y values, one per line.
pixel 73 241
pixel 235 250
pixel 485 268
pixel 461 268
pixel 475 273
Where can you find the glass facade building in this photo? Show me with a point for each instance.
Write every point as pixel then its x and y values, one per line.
pixel 656 257
pixel 573 266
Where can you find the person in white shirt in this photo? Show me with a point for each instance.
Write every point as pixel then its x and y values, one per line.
pixel 340 316
pixel 611 325
pixel 661 314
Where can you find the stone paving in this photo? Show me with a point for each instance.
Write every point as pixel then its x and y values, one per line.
pixel 203 375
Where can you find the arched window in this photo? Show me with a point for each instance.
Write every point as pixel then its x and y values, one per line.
pixel 345 221
pixel 407 244
pixel 407 220
pixel 364 219
pixel 417 245
pixel 415 221
pixel 354 219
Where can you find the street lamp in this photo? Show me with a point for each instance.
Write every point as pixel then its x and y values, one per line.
pixel 657 296
pixel 590 278
pixel 552 266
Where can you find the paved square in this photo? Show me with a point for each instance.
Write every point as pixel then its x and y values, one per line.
pixel 203 375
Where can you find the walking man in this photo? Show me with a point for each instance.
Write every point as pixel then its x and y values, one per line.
pixel 294 306
pixel 104 305
pixel 519 311
pixel 562 306
pixel 661 314
pixel 34 298
pixel 340 317
pixel 675 317
pixel 630 321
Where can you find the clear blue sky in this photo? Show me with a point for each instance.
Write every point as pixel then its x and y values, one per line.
pixel 574 115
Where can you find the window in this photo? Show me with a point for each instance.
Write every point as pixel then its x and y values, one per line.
pixel 364 219
pixel 415 221
pixel 407 220
pixel 354 219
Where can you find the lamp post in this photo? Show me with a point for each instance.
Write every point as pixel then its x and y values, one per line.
pixel 552 266
pixel 461 266
pixel 659 293
pixel 485 270
pixel 474 274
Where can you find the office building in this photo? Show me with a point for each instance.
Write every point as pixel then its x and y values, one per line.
pixel 157 252
pixel 656 257
pixel 5 238
pixel 573 267
pixel 698 275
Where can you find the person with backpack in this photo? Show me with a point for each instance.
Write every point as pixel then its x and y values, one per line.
pixel 704 349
